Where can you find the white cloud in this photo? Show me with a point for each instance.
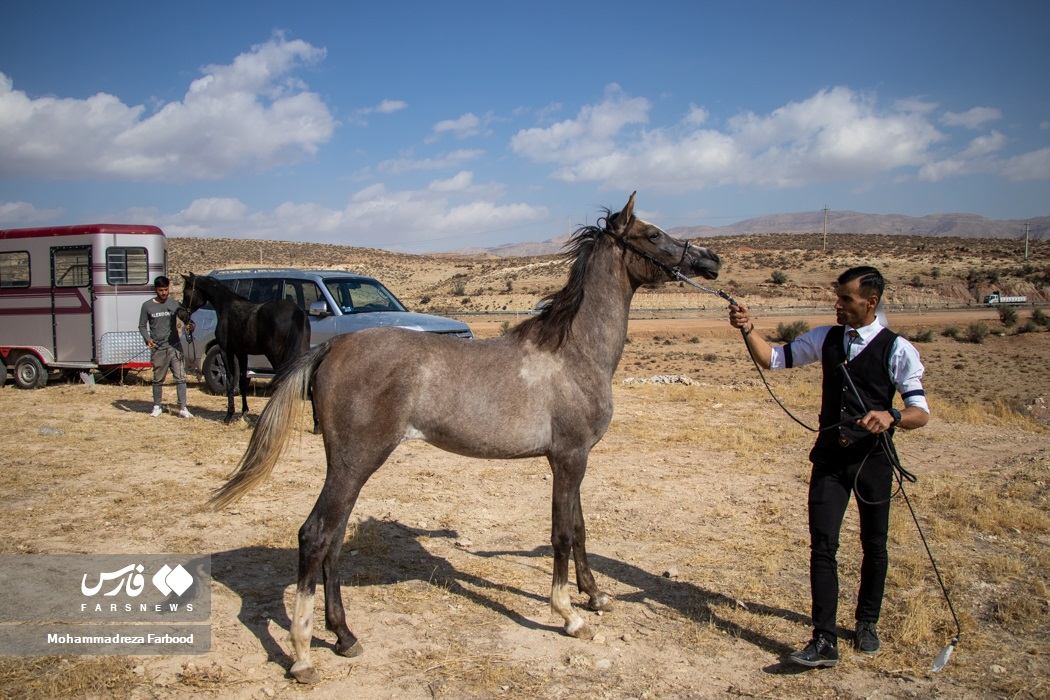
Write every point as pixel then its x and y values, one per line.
pixel 1028 166
pixel 462 127
pixel 374 217
pixel 390 106
pixel 452 159
pixel 250 114
pixel 836 134
pixel 590 135
pixel 22 214
pixel 972 118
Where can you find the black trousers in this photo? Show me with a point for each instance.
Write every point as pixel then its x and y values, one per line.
pixel 830 485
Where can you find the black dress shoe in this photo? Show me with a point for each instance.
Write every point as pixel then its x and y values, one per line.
pixel 867 639
pixel 819 653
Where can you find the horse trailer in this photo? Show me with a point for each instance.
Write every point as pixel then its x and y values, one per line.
pixel 70 298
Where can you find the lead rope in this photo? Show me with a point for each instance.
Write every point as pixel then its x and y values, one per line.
pixel 941 660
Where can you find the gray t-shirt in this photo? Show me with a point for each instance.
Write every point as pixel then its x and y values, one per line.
pixel 157 321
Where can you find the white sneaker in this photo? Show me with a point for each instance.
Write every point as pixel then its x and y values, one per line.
pixel 155 412
pixel 185 413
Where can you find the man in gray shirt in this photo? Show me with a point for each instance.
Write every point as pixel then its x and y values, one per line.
pixel 157 324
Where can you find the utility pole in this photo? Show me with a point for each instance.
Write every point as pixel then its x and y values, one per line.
pixel 1026 226
pixel 825 228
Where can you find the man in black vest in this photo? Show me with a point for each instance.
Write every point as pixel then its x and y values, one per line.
pixel 849 458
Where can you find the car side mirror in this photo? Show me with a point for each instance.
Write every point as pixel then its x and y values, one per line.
pixel 319 309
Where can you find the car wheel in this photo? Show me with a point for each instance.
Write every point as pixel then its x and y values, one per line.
pixel 214 370
pixel 29 372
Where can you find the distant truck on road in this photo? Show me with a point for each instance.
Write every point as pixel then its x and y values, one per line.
pixel 998 298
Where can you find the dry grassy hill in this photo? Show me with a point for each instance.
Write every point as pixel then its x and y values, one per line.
pixel 920 270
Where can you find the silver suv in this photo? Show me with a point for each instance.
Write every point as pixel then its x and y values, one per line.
pixel 335 301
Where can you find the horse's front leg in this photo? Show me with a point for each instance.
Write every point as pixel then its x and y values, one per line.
pixel 598 600
pixel 230 361
pixel 242 362
pixel 568 475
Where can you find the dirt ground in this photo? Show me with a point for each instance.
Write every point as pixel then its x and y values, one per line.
pixel 695 504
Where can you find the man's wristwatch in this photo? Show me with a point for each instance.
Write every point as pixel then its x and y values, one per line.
pixel 896 417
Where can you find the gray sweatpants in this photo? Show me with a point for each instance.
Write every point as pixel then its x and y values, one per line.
pixel 162 359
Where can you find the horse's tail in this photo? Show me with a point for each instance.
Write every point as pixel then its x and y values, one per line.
pixel 274 429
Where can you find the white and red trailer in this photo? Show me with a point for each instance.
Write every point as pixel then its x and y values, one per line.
pixel 70 298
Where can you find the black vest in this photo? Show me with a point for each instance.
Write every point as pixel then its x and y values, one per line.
pixel 870 372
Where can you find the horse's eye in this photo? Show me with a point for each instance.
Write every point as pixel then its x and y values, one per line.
pixel 654 235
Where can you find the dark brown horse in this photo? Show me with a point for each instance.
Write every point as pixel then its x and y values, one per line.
pixel 545 388
pixel 278 329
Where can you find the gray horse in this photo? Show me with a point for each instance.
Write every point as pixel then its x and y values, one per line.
pixel 545 388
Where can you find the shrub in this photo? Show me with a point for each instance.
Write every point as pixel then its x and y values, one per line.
pixel 923 336
pixel 504 328
pixel 778 277
pixel 950 332
pixel 1008 316
pixel 1028 326
pixel 786 332
pixel 916 281
pixel 425 299
pixel 1039 316
pixel 976 332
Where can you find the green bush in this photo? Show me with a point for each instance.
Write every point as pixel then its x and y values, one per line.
pixel 976 332
pixel 778 277
pixel 786 332
pixel 950 332
pixel 1028 326
pixel 923 336
pixel 1008 316
pixel 1039 316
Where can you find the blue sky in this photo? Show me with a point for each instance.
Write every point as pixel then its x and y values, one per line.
pixel 423 126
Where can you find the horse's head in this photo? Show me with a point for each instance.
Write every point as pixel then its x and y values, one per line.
pixel 658 257
pixel 192 296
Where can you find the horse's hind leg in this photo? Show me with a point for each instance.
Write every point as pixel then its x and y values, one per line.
pixel 598 600
pixel 335 616
pixel 564 503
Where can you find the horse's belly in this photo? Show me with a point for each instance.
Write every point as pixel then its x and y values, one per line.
pixel 474 441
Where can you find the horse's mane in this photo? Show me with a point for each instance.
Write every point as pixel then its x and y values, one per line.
pixel 551 327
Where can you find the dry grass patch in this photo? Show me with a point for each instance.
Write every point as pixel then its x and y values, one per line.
pixel 68 677
pixel 459 670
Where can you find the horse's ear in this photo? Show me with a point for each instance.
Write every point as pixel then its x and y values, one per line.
pixel 622 220
pixel 187 277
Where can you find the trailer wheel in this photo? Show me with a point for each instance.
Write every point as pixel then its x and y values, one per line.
pixel 3 374
pixel 29 372
pixel 214 370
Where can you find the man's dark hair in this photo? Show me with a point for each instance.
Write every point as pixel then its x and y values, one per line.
pixel 871 280
pixel 161 281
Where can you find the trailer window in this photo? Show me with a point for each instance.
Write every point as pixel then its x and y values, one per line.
pixel 72 268
pixel 127 266
pixel 14 269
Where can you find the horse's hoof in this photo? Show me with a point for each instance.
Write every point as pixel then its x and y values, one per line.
pixel 355 649
pixel 584 631
pixel 602 602
pixel 227 420
pixel 305 674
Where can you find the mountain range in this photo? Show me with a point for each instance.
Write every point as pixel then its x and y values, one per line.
pixel 839 222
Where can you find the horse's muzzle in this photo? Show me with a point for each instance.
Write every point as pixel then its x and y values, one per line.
pixel 705 263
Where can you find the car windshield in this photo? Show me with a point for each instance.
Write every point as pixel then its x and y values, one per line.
pixel 362 296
